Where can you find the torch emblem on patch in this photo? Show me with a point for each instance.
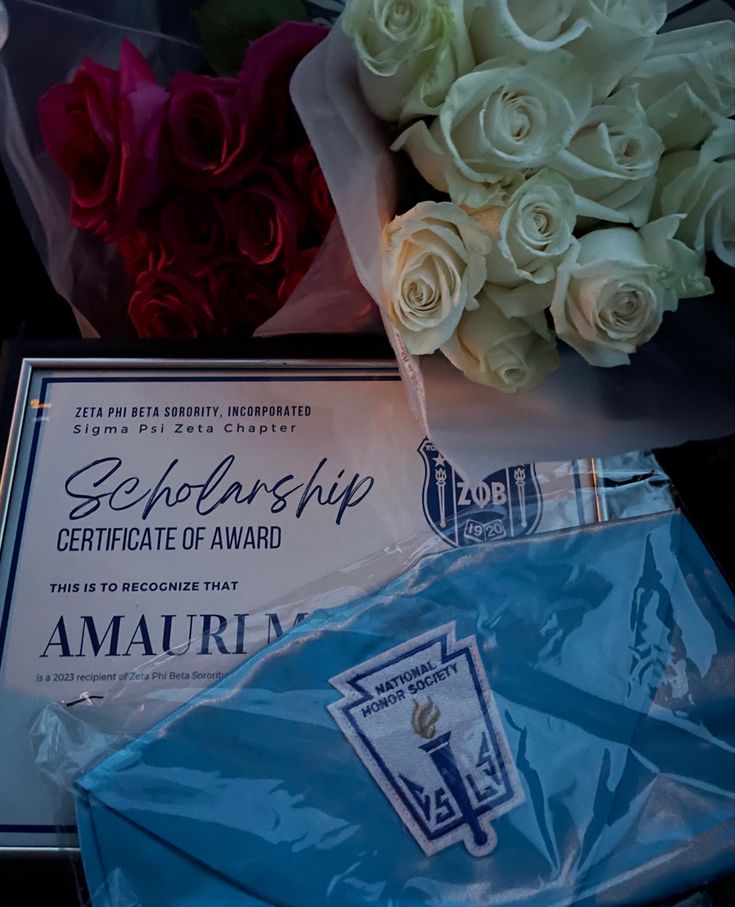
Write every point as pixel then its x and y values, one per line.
pixel 422 719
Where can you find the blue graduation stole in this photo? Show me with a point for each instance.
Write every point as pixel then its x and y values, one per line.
pixel 530 723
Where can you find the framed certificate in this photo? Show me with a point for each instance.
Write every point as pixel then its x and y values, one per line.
pixel 163 518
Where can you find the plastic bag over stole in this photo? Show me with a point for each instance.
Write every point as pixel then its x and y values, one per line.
pixel 537 722
pixel 170 659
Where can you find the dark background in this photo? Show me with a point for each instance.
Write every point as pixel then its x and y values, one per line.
pixel 703 474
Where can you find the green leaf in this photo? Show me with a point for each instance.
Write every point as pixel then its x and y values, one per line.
pixel 227 27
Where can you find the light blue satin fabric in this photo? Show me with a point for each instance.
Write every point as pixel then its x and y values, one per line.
pixel 610 653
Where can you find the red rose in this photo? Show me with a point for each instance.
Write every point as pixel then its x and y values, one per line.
pixel 264 219
pixel 167 303
pixel 266 70
pixel 296 274
pixel 209 118
pixel 141 249
pixel 193 230
pixel 104 130
pixel 247 294
pixel 309 182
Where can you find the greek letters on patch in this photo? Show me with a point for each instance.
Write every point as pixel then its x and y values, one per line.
pixel 506 504
pixel 422 719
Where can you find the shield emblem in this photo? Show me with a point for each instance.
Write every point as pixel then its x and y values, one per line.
pixel 422 719
pixel 506 504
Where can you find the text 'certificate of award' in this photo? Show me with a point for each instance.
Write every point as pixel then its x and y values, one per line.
pixel 194 514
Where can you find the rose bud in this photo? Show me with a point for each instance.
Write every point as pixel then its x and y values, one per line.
pixel 264 220
pixel 167 303
pixel 209 120
pixel 193 230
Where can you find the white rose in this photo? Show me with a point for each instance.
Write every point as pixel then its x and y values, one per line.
pixel 497 122
pixel 687 82
pixel 615 284
pixel 612 161
pixel 531 236
pixel 409 52
pixel 608 38
pixel 434 267
pixel 510 354
pixel 701 185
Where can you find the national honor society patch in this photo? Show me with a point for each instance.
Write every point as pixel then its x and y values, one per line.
pixel 422 719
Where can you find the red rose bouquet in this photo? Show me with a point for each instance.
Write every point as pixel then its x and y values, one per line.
pixel 208 188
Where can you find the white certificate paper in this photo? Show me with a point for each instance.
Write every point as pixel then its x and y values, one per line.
pixel 202 512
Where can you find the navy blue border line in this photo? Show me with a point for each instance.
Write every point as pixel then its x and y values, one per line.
pixel 155 379
pixel 366 697
pixel 30 469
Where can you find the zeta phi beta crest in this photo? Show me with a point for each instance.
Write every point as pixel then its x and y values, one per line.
pixel 422 719
pixel 506 504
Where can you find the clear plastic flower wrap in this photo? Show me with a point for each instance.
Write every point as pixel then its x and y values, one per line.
pixel 540 722
pixel 47 44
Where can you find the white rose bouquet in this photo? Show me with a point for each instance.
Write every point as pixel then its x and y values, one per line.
pixel 527 189
pixel 577 164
